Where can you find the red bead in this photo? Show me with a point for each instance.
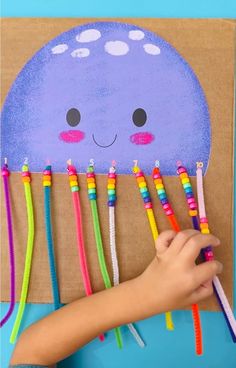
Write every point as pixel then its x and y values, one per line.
pixel 139 174
pixel 166 206
pixel 181 170
pixel 203 220
pixel 5 172
pixel 25 173
pixel 191 200
pixel 148 205
pixel 112 175
pixel 90 175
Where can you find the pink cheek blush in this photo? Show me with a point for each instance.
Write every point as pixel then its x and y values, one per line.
pixel 72 136
pixel 142 138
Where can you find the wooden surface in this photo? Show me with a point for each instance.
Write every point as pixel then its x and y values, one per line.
pixel 208 46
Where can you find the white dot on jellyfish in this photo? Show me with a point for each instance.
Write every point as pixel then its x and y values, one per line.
pixel 151 49
pixel 89 35
pixel 116 48
pixel 136 35
pixel 80 53
pixel 59 49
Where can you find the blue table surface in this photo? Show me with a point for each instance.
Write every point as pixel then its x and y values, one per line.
pixel 122 8
pixel 164 349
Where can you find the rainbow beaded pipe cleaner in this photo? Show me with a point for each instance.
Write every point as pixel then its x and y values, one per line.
pixel 208 256
pixel 111 192
pixel 29 251
pixel 162 195
pixel 5 177
pixel 74 186
pixel 47 182
pixel 92 195
pixel 152 222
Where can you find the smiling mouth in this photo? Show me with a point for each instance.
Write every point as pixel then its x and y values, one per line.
pixel 104 146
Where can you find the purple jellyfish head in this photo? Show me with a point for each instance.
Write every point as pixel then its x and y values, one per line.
pixel 106 90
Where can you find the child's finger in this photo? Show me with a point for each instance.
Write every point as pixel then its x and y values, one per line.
pixel 164 240
pixel 194 245
pixel 204 272
pixel 203 292
pixel 180 239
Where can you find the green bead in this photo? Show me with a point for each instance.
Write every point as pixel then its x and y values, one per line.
pixel 187 185
pixel 143 190
pixel 75 188
pixel 92 190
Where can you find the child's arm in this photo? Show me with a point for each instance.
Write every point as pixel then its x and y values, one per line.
pixel 171 281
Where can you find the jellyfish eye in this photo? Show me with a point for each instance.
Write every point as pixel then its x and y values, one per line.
pixel 139 117
pixel 73 117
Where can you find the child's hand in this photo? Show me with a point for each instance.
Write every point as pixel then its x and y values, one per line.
pixel 173 280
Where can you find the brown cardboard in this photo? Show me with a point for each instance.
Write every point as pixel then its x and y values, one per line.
pixel 208 46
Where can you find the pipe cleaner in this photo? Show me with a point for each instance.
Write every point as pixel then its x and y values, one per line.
pixel 208 255
pixel 47 182
pixel 162 195
pixel 74 186
pixel 5 177
pixel 111 191
pixel 92 195
pixel 29 251
pixel 152 222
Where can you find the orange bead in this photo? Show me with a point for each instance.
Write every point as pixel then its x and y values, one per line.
pixel 90 180
pixel 158 181
pixel 111 181
pixel 73 177
pixel 26 179
pixel 183 175
pixel 47 177
pixel 204 226
pixel 193 213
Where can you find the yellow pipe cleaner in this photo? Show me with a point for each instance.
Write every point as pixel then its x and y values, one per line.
pixel 29 252
pixel 152 222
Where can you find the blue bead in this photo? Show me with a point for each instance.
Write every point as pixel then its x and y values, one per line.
pixel 112 197
pixel 162 196
pixel 164 201
pixel 147 199
pixel 189 195
pixel 92 196
pixel 145 194
pixel 111 203
pixel 188 190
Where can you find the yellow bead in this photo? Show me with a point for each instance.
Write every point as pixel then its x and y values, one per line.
pixel 91 185
pixel 159 186
pixel 142 184
pixel 136 169
pixel 185 180
pixel 205 231
pixel 73 183
pixel 111 186
pixel 193 213
pixel 47 183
